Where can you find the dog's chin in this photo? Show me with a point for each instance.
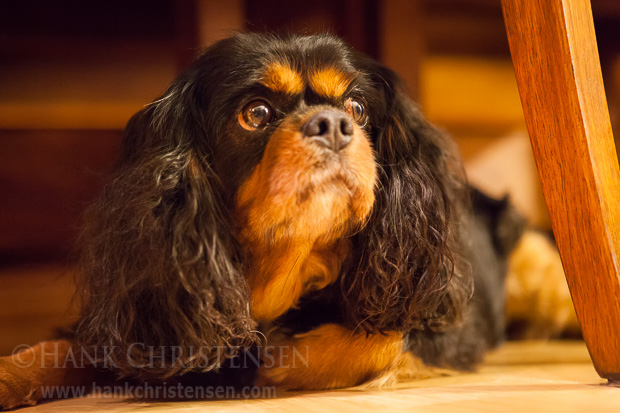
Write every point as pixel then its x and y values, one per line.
pixel 325 208
pixel 329 202
pixel 329 176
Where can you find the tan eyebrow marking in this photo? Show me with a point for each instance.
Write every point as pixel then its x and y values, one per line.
pixel 280 77
pixel 330 82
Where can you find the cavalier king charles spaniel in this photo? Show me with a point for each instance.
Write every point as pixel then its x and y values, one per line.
pixel 284 198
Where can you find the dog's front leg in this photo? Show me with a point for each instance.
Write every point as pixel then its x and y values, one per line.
pixel 330 356
pixel 40 372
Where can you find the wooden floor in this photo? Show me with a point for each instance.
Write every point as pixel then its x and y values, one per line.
pixel 520 377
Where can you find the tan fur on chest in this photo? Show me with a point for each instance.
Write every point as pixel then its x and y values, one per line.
pixel 279 276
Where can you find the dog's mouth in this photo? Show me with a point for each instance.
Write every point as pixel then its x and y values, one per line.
pixel 329 176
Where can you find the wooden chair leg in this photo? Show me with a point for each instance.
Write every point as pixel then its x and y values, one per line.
pixel 556 61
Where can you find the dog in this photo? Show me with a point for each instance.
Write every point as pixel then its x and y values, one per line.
pixel 283 195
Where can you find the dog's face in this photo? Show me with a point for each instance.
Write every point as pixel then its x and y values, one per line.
pixel 293 145
pixel 270 168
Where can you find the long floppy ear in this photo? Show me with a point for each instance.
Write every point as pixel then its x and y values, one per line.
pixel 159 268
pixel 408 272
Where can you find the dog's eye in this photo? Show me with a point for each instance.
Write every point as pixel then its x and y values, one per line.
pixel 255 115
pixel 356 110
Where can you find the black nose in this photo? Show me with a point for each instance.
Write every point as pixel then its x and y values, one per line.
pixel 331 129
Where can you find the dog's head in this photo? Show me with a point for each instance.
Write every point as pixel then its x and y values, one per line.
pixel 271 167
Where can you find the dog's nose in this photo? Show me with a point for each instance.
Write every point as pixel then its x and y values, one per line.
pixel 331 129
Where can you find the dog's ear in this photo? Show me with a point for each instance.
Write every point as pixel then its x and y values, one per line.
pixel 407 272
pixel 159 267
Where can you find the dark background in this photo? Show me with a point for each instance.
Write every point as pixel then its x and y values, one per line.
pixel 72 72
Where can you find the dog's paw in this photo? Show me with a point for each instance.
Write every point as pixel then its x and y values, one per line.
pixel 328 357
pixel 302 362
pixel 24 375
pixel 538 300
pixel 15 388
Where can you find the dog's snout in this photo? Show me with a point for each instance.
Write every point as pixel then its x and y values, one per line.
pixel 330 129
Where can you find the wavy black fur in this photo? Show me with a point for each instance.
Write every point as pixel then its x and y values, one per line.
pixel 160 266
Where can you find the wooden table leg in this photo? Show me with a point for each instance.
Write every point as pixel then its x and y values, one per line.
pixel 556 61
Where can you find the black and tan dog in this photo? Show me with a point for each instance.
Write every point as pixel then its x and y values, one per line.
pixel 284 191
